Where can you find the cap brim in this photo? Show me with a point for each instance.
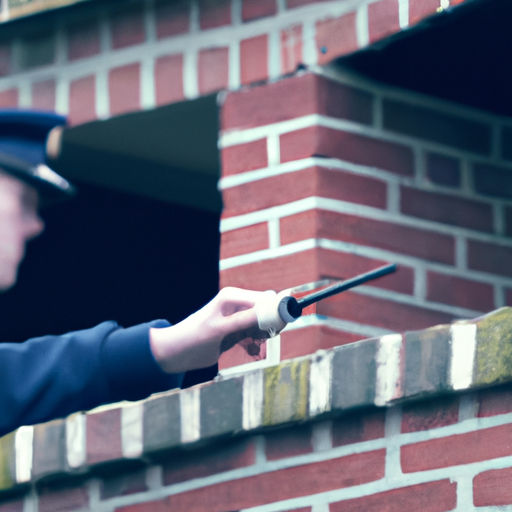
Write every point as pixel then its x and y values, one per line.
pixel 50 185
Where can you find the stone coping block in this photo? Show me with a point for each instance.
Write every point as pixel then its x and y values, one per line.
pixel 378 372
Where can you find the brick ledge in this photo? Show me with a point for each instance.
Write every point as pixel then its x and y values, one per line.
pixel 375 372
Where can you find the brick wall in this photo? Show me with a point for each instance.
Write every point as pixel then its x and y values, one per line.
pixel 419 422
pixel 327 176
pixel 95 61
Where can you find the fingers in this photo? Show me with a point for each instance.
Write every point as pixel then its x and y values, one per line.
pixel 233 300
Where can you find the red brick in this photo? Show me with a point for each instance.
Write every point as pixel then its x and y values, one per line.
pixel 419 9
pixel 492 258
pixel 291 48
pixel 83 40
pixel 104 436
pixel 252 9
pixel 127 27
pixel 169 79
pixel 383 19
pixel 82 100
pixel 358 427
pixel 460 292
pixel 124 89
pixel 5 59
pixel 426 415
pixel 172 18
pixel 447 209
pixel 360 149
pixel 223 457
pixel 380 312
pixel 213 69
pixel 494 401
pixel 437 496
pixel 307 340
pixel 43 95
pixel 12 506
pixel 254 59
pixel 281 273
pixel 306 94
pixel 336 37
pixel 368 232
pixel 244 240
pixel 493 487
pixel 288 187
pixel 9 98
pixel 123 484
pixel 486 444
pixel 244 157
pixel 214 13
pixel 291 4
pixel 277 485
pixel 63 499
pixel 290 442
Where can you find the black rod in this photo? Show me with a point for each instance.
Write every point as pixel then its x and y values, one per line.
pixel 307 300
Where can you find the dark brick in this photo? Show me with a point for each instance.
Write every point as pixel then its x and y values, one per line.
pixel 162 422
pixel 358 427
pixel 506 143
pixel 353 375
pixel 508 221
pixel 83 40
pixel 49 456
pixel 127 27
pixel 172 17
pixel 214 13
pixel 443 170
pixel 11 505
pixel 5 59
pixel 252 9
pixel 38 50
pixel 218 458
pixel 460 292
pixel 437 126
pixel 221 407
pixel 444 208
pixel 123 484
pixel 429 414
pixel 427 360
pixel 288 442
pixel 492 258
pixel 63 498
pixel 494 401
pixel 492 180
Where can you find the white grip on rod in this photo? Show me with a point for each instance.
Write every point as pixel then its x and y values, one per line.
pixel 267 312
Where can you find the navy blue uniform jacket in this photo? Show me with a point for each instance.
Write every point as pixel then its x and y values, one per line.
pixel 52 376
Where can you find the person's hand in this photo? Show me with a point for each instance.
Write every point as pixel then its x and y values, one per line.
pixel 199 340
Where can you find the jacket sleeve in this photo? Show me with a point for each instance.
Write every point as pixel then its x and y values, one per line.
pixel 53 376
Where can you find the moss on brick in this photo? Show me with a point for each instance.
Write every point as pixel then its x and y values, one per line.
pixel 493 362
pixel 7 458
pixel 286 392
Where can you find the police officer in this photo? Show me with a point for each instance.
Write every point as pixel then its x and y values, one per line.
pixel 52 376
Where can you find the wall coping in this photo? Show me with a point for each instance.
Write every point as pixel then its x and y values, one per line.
pixel 382 371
